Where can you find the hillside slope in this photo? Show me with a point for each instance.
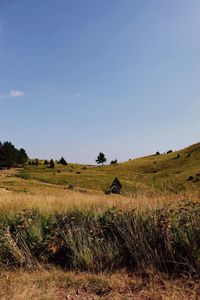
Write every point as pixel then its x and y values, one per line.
pixel 169 172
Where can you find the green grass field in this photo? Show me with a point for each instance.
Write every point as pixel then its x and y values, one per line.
pixel 164 173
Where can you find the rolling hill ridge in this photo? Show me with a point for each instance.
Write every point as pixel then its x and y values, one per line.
pixel 169 172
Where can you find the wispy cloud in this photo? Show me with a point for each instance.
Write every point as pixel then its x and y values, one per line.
pixel 12 94
pixel 74 95
pixel 16 93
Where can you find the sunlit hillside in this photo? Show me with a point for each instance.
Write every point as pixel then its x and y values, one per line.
pixel 173 172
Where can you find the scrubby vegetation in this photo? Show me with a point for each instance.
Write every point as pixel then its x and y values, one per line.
pixel 165 239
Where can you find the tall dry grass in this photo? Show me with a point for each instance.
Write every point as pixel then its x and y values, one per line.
pixel 165 239
pixel 90 231
pixel 50 200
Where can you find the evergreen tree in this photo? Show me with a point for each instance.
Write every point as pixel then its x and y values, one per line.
pixel 101 159
pixel 116 186
pixel 23 157
pixel 63 161
pixel 46 162
pixel 10 156
pixel 52 165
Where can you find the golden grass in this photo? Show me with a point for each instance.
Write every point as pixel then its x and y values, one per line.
pixel 17 194
pixel 57 284
pixel 50 200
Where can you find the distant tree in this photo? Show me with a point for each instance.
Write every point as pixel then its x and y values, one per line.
pixel 113 162
pixel 52 165
pixel 63 161
pixel 101 159
pixel 36 162
pixel 46 162
pixel 23 157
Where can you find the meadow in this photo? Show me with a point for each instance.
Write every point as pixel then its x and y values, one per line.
pixel 161 173
pixel 59 223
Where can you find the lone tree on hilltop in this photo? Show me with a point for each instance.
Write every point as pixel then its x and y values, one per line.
pixel 52 165
pixel 101 159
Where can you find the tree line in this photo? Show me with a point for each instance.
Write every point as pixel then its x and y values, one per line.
pixel 11 156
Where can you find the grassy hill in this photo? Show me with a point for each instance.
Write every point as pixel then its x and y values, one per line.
pixel 46 226
pixel 170 172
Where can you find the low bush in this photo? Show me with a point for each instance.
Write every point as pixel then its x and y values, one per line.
pixel 23 175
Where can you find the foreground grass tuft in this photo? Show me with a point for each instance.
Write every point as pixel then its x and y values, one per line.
pixel 165 239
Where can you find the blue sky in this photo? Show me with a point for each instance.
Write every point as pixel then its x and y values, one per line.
pixel 117 76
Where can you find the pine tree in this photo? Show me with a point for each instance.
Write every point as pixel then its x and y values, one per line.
pixel 63 161
pixel 10 156
pixel 52 165
pixel 23 157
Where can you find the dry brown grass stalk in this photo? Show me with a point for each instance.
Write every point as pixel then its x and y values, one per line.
pixel 57 285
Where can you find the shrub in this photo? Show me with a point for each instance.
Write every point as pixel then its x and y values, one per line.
pixel 170 151
pixel 113 162
pixel 177 156
pixel 70 186
pixel 23 175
